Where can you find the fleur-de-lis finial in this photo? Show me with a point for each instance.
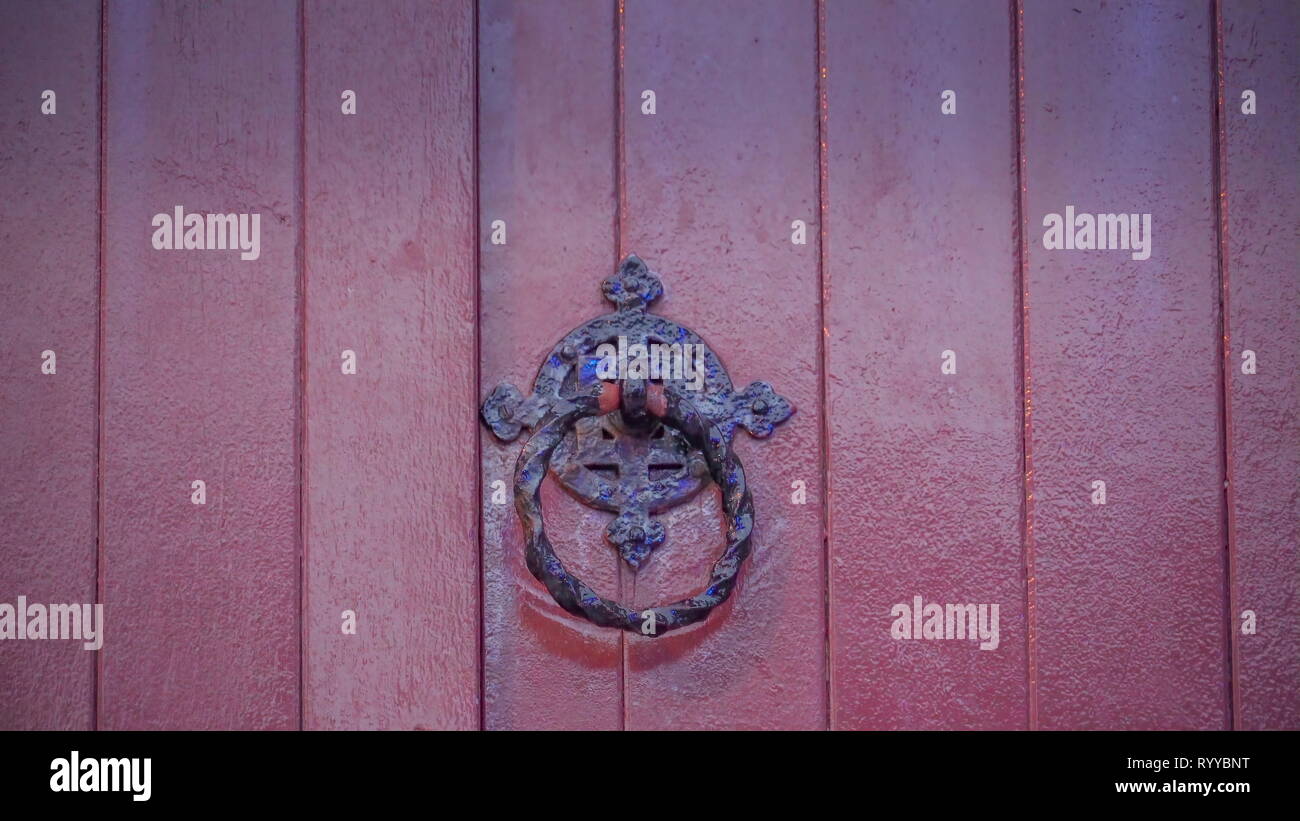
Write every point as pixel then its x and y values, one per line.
pixel 633 286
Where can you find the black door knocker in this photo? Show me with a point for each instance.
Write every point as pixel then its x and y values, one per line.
pixel 631 412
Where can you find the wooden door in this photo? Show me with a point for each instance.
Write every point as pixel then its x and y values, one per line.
pixel 849 200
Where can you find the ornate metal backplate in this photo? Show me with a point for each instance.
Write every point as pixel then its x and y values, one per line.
pixel 631 467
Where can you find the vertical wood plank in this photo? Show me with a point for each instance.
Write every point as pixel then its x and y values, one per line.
pixel 49 300
pixel 1124 360
pixel 1261 170
pixel 925 465
pixel 546 169
pixel 200 379
pixel 391 503
pixel 714 180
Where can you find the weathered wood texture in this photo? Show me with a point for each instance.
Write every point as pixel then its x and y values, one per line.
pixel 925 465
pixel 49 301
pixel 390 516
pixel 1124 367
pixel 713 181
pixel 547 170
pixel 199 371
pixel 1260 172
pixel 374 492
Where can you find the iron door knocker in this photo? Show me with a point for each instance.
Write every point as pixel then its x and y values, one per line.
pixel 631 412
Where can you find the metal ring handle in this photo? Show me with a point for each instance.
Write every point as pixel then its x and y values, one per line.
pixel 572 593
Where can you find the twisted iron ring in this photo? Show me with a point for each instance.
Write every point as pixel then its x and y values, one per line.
pixel 572 593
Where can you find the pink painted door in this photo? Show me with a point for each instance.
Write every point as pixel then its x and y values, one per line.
pixel 1027 483
pixel 49 313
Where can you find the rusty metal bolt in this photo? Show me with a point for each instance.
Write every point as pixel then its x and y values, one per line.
pixel 610 397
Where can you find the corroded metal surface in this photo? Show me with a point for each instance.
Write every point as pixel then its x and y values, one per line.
pixel 630 463
pixel 569 591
